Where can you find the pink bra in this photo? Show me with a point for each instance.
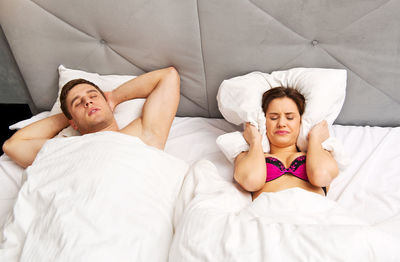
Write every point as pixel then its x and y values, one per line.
pixel 276 169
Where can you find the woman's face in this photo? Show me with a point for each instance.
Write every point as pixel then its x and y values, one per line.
pixel 283 122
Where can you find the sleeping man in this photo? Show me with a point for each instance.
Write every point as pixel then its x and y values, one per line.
pixel 87 109
pixel 108 195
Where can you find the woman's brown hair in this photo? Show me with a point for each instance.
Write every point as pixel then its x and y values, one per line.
pixel 279 92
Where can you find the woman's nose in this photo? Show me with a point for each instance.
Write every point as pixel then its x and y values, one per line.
pixel 281 122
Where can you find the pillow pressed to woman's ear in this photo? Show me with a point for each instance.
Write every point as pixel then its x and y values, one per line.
pixel 124 113
pixel 239 99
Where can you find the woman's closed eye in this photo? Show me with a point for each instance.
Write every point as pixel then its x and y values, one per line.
pixel 290 116
pixel 273 116
pixel 276 118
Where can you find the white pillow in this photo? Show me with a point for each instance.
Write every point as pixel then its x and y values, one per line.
pixel 124 113
pixel 239 100
pixel 27 122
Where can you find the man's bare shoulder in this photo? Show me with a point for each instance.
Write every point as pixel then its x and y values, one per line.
pixel 135 128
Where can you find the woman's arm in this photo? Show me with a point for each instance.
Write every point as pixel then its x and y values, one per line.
pixel 250 169
pixel 321 166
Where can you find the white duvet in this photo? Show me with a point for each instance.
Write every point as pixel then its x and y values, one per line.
pixel 367 190
pixel 99 197
pixel 216 222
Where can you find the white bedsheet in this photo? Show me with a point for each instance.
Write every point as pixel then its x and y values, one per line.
pixel 218 223
pixel 190 139
pixel 10 183
pixel 99 197
pixel 366 189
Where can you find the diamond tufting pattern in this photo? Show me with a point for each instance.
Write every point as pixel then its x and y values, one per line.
pixel 209 41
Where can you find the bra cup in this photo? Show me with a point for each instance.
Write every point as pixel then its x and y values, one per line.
pixel 276 169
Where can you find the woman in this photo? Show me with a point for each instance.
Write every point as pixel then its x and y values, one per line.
pixel 285 167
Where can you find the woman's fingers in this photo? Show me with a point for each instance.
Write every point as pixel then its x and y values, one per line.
pixel 251 134
pixel 320 131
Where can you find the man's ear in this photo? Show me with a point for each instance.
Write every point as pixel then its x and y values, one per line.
pixel 73 124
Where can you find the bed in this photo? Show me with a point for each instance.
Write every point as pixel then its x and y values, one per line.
pixel 208 42
pixel 360 190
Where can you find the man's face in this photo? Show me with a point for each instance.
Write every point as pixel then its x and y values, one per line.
pixel 89 109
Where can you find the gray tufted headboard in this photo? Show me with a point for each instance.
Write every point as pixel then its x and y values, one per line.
pixel 209 41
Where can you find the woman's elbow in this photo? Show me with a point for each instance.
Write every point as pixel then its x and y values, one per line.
pixel 249 183
pixel 322 177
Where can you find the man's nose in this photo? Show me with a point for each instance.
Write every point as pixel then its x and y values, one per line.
pixel 88 102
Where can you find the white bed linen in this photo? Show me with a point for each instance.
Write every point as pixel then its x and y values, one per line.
pixel 217 222
pixel 220 224
pixel 190 139
pixel 10 183
pixel 99 197
pixel 367 188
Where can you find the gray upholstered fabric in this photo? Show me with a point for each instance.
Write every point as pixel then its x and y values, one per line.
pixel 209 41
pixel 12 87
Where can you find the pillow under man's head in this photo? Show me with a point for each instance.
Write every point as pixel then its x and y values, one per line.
pixel 124 113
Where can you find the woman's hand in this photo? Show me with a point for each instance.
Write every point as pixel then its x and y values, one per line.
pixel 251 134
pixel 110 100
pixel 319 132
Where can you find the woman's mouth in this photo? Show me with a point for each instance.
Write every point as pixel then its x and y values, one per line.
pixel 281 132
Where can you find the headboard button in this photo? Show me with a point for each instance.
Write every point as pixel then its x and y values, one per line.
pixel 314 42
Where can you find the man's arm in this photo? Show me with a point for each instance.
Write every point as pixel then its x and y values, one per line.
pixel 24 145
pixel 162 90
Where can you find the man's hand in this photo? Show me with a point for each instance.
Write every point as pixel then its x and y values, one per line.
pixel 110 100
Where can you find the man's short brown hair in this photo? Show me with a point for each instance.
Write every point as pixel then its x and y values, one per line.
pixel 67 87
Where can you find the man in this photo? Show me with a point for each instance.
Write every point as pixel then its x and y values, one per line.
pixel 87 109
